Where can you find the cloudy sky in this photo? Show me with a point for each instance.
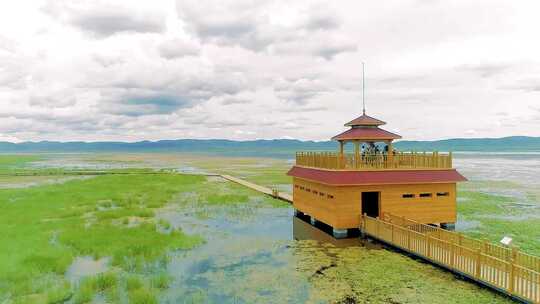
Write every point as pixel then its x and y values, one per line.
pixel 148 70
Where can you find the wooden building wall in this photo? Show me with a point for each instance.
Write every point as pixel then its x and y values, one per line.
pixel 340 207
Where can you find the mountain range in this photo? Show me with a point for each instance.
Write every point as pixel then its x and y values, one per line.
pixel 278 147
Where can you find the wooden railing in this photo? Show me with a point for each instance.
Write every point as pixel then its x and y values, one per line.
pixel 504 269
pixel 381 161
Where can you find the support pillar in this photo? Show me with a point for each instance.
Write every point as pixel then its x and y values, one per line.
pixel 390 154
pixel 448 226
pixel 357 154
pixel 341 163
pixel 339 233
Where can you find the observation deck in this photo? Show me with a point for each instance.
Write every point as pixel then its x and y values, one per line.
pixel 375 162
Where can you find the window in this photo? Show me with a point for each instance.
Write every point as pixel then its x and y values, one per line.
pixel 425 194
pixel 315 192
pixel 443 194
pixel 296 186
pixel 301 188
pixel 321 193
pixel 308 190
pixel 330 196
pixel 408 195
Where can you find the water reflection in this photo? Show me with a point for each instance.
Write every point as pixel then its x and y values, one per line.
pixel 303 230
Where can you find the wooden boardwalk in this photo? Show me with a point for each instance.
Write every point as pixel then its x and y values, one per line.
pixel 273 193
pixel 511 272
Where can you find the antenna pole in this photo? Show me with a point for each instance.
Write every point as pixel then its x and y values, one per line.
pixel 363 89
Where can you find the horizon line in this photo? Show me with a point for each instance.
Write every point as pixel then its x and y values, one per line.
pixel 251 140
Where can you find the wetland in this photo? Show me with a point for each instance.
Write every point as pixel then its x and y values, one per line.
pixel 162 232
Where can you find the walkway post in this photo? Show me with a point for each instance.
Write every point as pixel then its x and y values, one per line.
pixel 390 155
pixel 409 239
pixel 379 228
pixel 428 245
pixel 392 225
pixel 478 270
pixel 452 252
pixel 511 276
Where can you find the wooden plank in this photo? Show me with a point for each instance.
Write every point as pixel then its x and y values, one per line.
pixel 482 262
pixel 265 190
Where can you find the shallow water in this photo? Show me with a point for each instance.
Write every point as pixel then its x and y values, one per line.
pixel 523 169
pixel 463 224
pixel 246 259
pixel 86 266
pixel 260 258
pixel 514 175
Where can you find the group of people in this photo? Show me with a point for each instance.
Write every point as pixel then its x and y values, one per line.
pixel 372 148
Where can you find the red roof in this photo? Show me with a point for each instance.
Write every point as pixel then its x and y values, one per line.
pixel 368 133
pixel 365 120
pixel 350 178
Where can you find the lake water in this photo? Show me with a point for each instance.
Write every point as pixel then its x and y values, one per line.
pixel 522 169
pixel 256 259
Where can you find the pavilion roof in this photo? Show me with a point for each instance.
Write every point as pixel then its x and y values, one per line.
pixel 365 120
pixel 366 133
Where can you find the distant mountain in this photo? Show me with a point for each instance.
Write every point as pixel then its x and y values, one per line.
pixel 504 144
pixel 276 148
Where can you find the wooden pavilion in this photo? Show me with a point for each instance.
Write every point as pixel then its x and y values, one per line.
pixel 336 188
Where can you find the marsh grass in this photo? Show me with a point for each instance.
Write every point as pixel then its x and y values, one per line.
pixel 11 161
pixel 476 203
pixel 59 294
pixel 143 296
pixel 494 213
pixel 164 224
pixel 48 223
pixel 85 292
pixel 134 282
pixel 220 199
pixel 161 281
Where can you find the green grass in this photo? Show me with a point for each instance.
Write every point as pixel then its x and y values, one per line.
pixel 525 233
pixel 7 161
pixel 51 225
pixel 143 296
pixel 494 213
pixel 59 294
pixel 220 199
pixel 164 224
pixel 161 281
pixel 134 282
pixel 85 293
pixel 476 203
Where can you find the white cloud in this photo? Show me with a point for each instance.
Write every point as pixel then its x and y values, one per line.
pixel 106 18
pixel 176 48
pixel 245 69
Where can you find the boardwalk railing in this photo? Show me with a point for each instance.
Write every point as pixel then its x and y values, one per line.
pixel 381 161
pixel 506 270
